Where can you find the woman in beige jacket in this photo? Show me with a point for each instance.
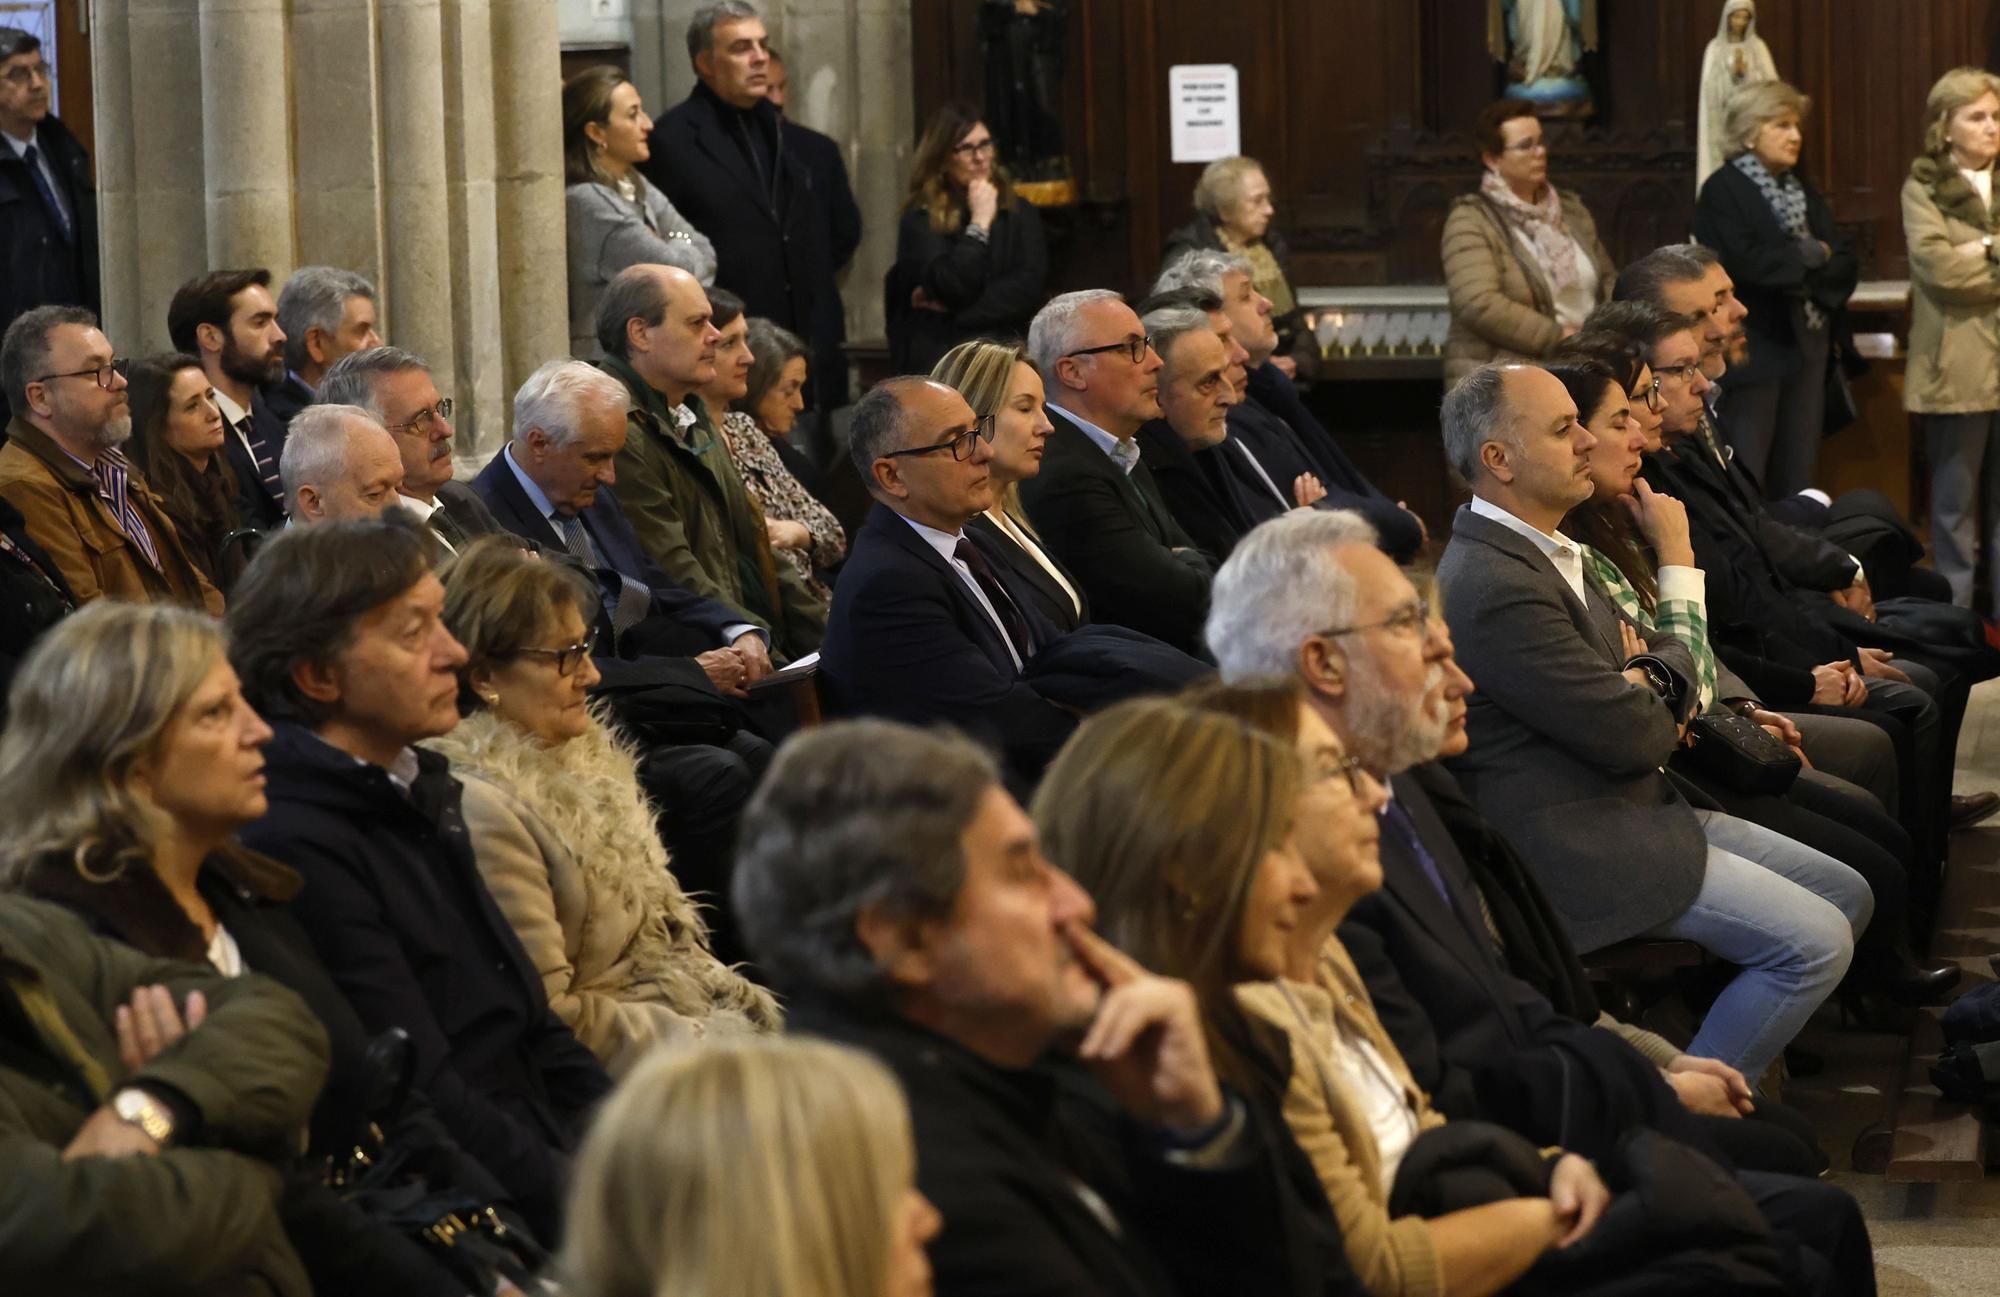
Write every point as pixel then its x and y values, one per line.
pixel 564 836
pixel 1953 381
pixel 1522 262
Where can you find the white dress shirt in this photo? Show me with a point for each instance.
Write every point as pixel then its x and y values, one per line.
pixel 1559 549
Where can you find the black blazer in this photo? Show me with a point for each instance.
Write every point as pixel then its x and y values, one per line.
pixel 1113 530
pixel 1030 577
pixel 989 289
pixel 1772 279
pixel 38 266
pixel 840 217
pixel 1212 504
pixel 255 505
pixel 1347 487
pixel 906 639
pixel 287 397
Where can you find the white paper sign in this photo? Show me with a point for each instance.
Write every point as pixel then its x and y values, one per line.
pixel 1206 111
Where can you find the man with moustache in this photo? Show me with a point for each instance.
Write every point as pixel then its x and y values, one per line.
pixel 228 320
pixel 63 468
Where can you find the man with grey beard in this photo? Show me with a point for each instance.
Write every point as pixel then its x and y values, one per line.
pixel 63 469
pixel 1466 963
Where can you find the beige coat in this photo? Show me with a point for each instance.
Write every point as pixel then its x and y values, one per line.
pixel 565 841
pixel 1501 305
pixel 1954 364
pixel 1394 1258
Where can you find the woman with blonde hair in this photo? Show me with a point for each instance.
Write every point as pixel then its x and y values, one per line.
pixel 970 257
pixel 563 834
pixel 999 382
pixel 1950 221
pixel 751 1169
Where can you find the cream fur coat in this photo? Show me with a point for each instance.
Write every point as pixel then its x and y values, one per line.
pixel 566 843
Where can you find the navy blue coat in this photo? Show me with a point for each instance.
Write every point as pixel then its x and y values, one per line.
pixel 1347 487
pixel 38 266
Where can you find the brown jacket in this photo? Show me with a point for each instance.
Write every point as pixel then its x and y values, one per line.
pixel 1501 304
pixel 67 517
pixel 1954 296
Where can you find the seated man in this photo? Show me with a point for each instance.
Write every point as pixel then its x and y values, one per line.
pixel 336 635
pixel 395 387
pixel 326 313
pixel 80 499
pixel 339 465
pixel 1095 502
pixel 144 1169
pixel 227 318
pixel 681 489
pixel 1188 448
pixel 925 626
pixel 1576 713
pixel 896 893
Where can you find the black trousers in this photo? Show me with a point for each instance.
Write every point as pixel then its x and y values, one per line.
pixel 1835 1257
pixel 701 790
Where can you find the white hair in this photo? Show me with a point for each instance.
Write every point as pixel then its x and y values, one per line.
pixel 554 396
pixel 1169 324
pixel 316 448
pixel 1052 334
pixel 1281 584
pixel 1201 269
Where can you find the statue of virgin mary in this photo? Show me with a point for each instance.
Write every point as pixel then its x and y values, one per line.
pixel 1542 43
pixel 1736 57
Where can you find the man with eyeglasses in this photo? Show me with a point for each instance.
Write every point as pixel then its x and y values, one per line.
pixel 48 202
pixel 925 626
pixel 229 320
pixel 1095 501
pixel 64 468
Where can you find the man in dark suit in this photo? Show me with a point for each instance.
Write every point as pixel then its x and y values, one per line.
pixel 326 313
pixel 48 205
pixel 1187 449
pixel 833 195
pixel 925 625
pixel 1095 501
pixel 720 157
pixel 1576 712
pixel 228 319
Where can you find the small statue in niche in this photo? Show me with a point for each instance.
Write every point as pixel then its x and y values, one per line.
pixel 1735 58
pixel 1542 43
pixel 1024 45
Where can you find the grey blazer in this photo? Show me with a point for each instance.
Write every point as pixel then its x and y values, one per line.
pixel 1566 752
pixel 607 234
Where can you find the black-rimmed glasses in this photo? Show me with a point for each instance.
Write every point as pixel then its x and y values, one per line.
pixel 1411 616
pixel 960 445
pixel 1679 373
pixel 28 74
pixel 423 417
pixel 102 373
pixel 1655 399
pixel 973 148
pixel 1132 347
pixel 567 659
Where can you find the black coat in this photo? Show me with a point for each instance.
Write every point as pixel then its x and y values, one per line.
pixel 1213 505
pixel 769 233
pixel 287 397
pixel 401 918
pixel 1772 279
pixel 1047 596
pixel 255 505
pixel 38 266
pixel 840 215
pixel 989 289
pixel 33 596
pixel 1347 487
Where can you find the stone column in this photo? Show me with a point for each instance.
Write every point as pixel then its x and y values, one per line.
pixel 528 190
pixel 245 132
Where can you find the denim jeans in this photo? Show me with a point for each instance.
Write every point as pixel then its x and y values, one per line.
pixel 1787 916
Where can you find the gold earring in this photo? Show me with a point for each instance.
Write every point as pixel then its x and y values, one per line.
pixel 493 699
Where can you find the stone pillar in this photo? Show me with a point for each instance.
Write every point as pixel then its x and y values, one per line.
pixel 245 133
pixel 528 189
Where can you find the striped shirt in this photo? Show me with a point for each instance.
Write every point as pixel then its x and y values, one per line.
pixel 1682 611
pixel 114 486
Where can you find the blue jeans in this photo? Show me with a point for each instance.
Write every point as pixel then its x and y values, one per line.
pixel 1787 916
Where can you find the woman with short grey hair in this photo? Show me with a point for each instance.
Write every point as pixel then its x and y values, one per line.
pixel 1793 270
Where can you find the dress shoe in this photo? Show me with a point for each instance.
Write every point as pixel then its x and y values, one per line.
pixel 1914 984
pixel 1971 808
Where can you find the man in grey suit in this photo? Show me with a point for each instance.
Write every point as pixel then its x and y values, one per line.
pixel 1576 712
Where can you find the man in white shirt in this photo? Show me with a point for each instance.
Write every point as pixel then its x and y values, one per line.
pixel 228 320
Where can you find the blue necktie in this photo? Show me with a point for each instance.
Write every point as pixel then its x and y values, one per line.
pixel 34 161
pixel 1397 818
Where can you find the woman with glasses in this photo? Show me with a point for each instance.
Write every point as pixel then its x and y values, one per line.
pixel 1232 213
pixel 564 836
pixel 970 259
pixel 1522 262
pixel 177 434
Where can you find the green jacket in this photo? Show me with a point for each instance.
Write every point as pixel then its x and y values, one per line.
pixel 199 1218
pixel 687 502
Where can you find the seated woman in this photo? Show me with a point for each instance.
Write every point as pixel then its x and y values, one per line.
pixel 804 532
pixel 177 434
pixel 999 382
pixel 615 219
pixel 747 1169
pixel 564 837
pixel 970 259
pixel 1232 213
pixel 130 761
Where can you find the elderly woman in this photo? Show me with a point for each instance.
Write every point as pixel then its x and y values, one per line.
pixel 970 257
pixel 1793 271
pixel 999 382
pixel 1954 370
pixel 616 219
pixel 564 837
pixel 177 436
pixel 1232 213
pixel 1522 262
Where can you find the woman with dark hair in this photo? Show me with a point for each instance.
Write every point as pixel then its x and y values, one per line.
pixel 177 436
pixel 616 219
pixel 774 395
pixel 970 259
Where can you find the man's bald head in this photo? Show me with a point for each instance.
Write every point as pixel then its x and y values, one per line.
pixel 657 319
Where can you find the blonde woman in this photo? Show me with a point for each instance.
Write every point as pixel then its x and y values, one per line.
pixel 1950 221
pixel 998 379
pixel 779 1168
pixel 564 837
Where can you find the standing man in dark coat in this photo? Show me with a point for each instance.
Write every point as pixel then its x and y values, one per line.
pixel 48 202
pixel 722 159
pixel 833 199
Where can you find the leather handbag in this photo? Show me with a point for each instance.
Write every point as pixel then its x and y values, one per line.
pixel 1741 754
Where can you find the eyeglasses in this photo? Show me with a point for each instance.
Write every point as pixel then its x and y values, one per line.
pixel 960 444
pixel 1411 616
pixel 1655 400
pixel 23 76
pixel 1536 145
pixel 1679 373
pixel 1134 347
pixel 973 148
pixel 567 659
pixel 1347 767
pixel 423 417
pixel 102 373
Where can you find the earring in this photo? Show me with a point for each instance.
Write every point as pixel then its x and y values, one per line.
pixel 493 699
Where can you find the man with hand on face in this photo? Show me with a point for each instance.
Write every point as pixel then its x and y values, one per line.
pixel 228 319
pixel 1069 1124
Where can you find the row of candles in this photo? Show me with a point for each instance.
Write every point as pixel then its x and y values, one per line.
pixel 1380 333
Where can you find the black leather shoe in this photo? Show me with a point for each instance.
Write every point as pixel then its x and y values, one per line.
pixel 1971 808
pixel 1914 985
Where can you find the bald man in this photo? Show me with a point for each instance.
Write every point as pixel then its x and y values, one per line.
pixel 339 465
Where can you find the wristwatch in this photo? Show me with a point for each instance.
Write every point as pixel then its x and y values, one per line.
pixel 140 1109
pixel 1663 684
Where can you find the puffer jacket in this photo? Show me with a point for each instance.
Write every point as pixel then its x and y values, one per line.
pixel 1954 358
pixel 1501 305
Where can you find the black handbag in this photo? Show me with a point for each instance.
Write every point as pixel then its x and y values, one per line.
pixel 1741 754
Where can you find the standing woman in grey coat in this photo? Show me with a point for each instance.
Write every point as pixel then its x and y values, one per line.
pixel 616 219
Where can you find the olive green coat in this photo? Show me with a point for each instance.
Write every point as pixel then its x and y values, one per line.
pixel 1954 362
